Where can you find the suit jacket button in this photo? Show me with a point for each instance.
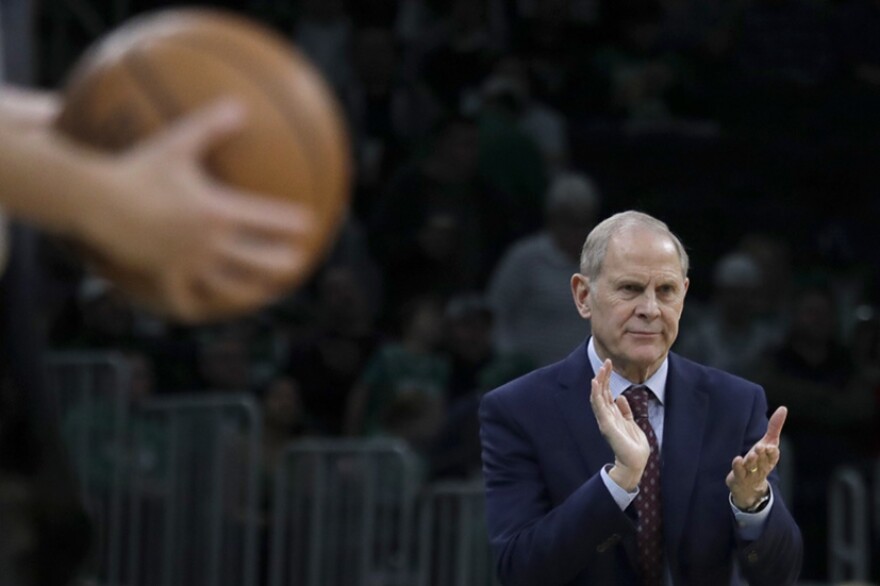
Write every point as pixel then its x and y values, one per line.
pixel 752 557
pixel 603 547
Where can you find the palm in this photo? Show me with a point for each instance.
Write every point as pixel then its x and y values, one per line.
pixel 747 478
pixel 617 425
pixel 627 440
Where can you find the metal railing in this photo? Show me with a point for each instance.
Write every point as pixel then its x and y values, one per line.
pixel 453 544
pixel 849 553
pixel 92 393
pixel 195 520
pixel 173 484
pixel 178 490
pixel 344 514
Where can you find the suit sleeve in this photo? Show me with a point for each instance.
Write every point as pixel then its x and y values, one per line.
pixel 775 558
pixel 532 541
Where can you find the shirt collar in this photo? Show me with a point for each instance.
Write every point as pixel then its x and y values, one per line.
pixel 656 382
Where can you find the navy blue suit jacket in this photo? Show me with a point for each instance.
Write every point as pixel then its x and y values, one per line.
pixel 552 520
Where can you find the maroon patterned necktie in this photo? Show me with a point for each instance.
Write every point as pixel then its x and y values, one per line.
pixel 648 502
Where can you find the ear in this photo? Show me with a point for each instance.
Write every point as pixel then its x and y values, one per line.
pixel 580 291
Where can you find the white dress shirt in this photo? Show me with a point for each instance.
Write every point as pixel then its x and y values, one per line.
pixel 749 525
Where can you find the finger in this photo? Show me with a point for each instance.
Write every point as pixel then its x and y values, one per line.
pixel 605 410
pixel 29 108
pixel 599 385
pixel 738 468
pixel 596 398
pixel 761 467
pixel 773 456
pixel 235 288
pixel 267 217
pixel 273 262
pixel 196 132
pixel 605 374
pixel 623 406
pixel 768 457
pixel 774 426
pixel 750 462
pixel 176 298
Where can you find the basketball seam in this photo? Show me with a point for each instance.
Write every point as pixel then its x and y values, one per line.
pixel 243 67
pixel 167 107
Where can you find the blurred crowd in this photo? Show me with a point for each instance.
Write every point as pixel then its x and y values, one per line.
pixel 489 137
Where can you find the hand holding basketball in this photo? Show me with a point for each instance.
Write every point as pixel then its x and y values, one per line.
pixel 243 197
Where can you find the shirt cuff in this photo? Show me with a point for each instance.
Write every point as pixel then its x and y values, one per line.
pixel 619 494
pixel 750 525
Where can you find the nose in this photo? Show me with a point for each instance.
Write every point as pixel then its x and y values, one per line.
pixel 648 308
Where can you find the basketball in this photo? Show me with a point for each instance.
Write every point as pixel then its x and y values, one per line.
pixel 162 65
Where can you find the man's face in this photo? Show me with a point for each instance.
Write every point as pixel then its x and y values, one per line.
pixel 635 303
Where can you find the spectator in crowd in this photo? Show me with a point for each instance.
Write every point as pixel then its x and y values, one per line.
pixel 101 317
pixel 387 113
pixel 476 367
pixel 475 360
pixel 833 408
pixel 458 53
pixel 224 359
pixel 638 71
pixel 403 391
pixel 434 228
pixel 554 42
pixel 772 254
pixel 729 335
pixel 648 83
pixel 528 290
pixel 547 127
pixel 351 253
pixel 329 358
pixel 511 162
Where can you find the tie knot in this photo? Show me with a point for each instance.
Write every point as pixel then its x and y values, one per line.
pixel 637 396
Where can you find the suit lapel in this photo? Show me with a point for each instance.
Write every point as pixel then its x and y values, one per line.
pixel 685 420
pixel 573 398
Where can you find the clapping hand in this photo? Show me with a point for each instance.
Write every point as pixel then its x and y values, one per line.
pixel 620 430
pixel 747 479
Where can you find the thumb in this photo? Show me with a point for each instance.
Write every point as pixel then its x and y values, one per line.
pixel 774 426
pixel 196 132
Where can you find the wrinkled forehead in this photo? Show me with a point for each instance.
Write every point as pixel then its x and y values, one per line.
pixel 642 249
